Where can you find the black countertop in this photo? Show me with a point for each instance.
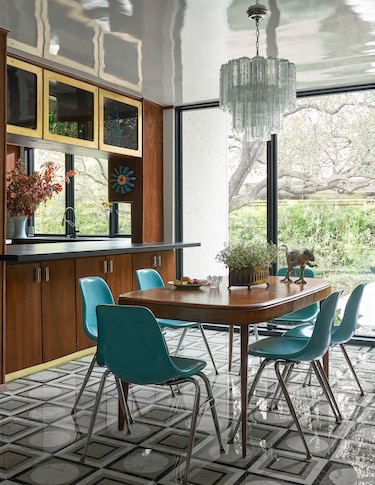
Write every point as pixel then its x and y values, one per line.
pixel 28 253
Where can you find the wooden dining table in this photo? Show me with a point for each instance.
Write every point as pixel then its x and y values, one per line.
pixel 237 305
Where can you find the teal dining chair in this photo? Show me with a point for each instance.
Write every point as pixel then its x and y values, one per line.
pixel 149 278
pixel 94 291
pixel 133 348
pixel 291 351
pixel 341 334
pixel 304 315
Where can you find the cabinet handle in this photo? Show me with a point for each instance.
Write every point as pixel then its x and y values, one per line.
pixel 105 266
pixel 159 260
pixel 38 274
pixel 46 273
pixel 155 264
pixel 111 265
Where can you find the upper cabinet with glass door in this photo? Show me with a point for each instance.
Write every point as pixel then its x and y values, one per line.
pixel 120 124
pixel 24 103
pixel 70 110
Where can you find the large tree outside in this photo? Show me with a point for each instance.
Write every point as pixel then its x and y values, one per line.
pixel 326 181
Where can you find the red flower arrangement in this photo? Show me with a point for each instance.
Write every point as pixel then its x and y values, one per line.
pixel 26 192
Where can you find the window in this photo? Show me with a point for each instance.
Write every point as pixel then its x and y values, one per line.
pixel 90 191
pixel 48 217
pixel 86 193
pixel 326 190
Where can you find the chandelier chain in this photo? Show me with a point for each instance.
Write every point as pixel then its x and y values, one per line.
pixel 257 36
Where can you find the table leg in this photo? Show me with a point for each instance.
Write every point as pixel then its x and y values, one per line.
pixel 121 418
pixel 230 353
pixel 244 369
pixel 326 363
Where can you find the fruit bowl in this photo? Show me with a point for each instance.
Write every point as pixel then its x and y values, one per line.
pixel 186 283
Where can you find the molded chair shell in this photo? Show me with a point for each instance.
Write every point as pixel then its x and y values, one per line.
pixel 94 291
pixel 133 347
pixel 149 278
pixel 297 349
pixel 341 333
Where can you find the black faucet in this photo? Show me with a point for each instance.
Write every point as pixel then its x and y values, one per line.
pixel 72 224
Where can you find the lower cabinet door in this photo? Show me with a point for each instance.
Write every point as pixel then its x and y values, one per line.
pixel 142 261
pixel 23 331
pixel 58 309
pixel 166 261
pixel 119 276
pixel 96 266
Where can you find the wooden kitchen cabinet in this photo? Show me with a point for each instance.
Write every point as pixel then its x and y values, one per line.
pixel 23 317
pixel 119 275
pixel 163 261
pixel 58 309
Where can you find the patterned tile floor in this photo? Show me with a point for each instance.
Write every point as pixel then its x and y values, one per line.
pixel 41 443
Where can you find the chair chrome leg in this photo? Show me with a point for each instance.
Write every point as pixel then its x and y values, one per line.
pixel 192 429
pixel 94 413
pixel 124 405
pixel 328 387
pixel 342 347
pixel 274 404
pixel 256 333
pixel 84 383
pixel 307 379
pixel 233 433
pixel 291 408
pixel 208 347
pixel 325 391
pixel 213 409
pixel 180 341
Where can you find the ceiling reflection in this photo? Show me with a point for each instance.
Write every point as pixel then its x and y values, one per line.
pixel 170 51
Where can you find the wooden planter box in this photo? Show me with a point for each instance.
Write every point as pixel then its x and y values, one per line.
pixel 248 277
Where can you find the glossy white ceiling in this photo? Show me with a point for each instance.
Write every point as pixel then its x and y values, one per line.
pixel 170 51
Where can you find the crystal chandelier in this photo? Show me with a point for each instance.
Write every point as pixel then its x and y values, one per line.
pixel 257 91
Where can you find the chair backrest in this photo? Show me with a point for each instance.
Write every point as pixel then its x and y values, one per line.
pixel 148 279
pixel 346 329
pixel 94 292
pixel 320 339
pixel 308 273
pixel 132 346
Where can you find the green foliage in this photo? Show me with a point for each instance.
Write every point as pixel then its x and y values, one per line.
pixel 255 253
pixel 341 235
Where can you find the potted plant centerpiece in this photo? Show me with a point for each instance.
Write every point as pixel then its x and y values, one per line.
pixel 248 262
pixel 26 192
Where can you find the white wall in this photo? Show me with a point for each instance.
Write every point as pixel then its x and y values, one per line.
pixel 205 189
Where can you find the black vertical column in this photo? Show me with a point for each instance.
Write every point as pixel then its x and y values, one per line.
pixel 272 193
pixel 178 191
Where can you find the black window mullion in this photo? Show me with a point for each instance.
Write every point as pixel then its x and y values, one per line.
pixel 29 160
pixel 69 196
pixel 114 220
pixel 272 194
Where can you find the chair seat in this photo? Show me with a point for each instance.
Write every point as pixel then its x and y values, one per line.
pixel 164 322
pixel 188 366
pixel 305 331
pixel 278 348
pixel 305 315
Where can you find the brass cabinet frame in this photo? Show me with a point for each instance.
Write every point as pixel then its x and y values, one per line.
pixel 49 75
pixel 38 71
pixel 122 99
